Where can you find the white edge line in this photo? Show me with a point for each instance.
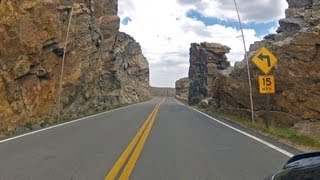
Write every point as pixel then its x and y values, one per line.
pixel 242 132
pixel 72 121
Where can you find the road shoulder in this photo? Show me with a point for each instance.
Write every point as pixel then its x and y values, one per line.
pixel 260 136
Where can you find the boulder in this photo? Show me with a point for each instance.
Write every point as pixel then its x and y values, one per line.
pixel 206 102
pixel 182 88
pixel 215 48
pixel 299 3
pixel 291 25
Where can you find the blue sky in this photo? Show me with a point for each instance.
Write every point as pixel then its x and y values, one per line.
pixel 126 20
pixel 261 29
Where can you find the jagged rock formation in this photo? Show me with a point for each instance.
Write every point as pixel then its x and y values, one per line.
pixel 297 73
pixel 182 88
pixel 131 72
pixel 206 60
pixel 102 66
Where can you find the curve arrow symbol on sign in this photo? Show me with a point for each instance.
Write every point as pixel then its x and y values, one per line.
pixel 264 60
pixel 262 57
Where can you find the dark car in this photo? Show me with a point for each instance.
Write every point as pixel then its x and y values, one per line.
pixel 300 167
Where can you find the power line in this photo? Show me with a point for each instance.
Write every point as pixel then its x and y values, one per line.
pixel 62 65
pixel 247 60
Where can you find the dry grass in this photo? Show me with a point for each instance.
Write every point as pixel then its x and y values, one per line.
pixel 159 91
pixel 286 135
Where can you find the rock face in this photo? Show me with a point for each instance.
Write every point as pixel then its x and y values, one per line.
pixel 131 72
pixel 102 66
pixel 182 88
pixel 297 73
pixel 206 60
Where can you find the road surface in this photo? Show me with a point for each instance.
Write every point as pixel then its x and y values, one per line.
pixel 155 140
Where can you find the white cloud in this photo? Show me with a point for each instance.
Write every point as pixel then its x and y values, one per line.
pixel 251 11
pixel 165 34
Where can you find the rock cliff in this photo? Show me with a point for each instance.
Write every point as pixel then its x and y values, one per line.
pixel 103 67
pixel 297 73
pixel 131 72
pixel 206 60
pixel 182 88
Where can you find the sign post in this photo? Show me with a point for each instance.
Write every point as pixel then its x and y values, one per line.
pixel 265 61
pixel 267 86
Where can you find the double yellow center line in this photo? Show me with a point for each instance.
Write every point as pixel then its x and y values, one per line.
pixel 134 149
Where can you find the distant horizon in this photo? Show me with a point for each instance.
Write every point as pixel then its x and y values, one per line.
pixel 163 87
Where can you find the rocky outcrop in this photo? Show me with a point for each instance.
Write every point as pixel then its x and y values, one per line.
pixel 206 60
pixel 182 88
pixel 131 72
pixel 297 73
pixel 102 66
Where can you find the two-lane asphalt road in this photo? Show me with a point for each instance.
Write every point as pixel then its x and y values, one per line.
pixel 159 139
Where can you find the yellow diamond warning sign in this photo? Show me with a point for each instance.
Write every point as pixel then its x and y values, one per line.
pixel 266 84
pixel 265 60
